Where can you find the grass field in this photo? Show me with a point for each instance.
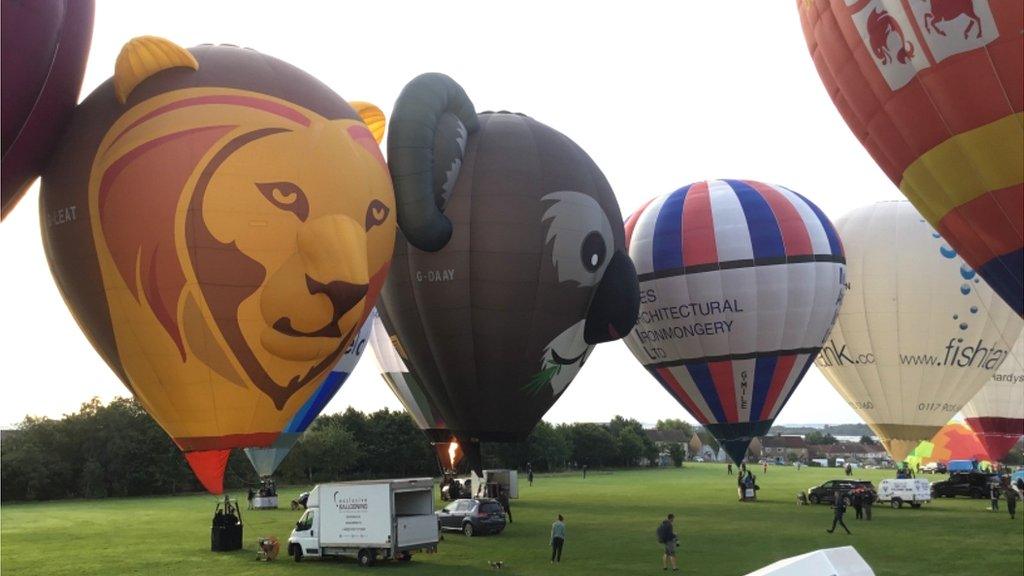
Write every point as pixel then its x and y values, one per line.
pixel 611 520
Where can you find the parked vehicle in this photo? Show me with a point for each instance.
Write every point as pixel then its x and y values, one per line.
pixel 961 466
pixel 371 520
pixel 913 491
pixel 826 492
pixel 971 484
pixel 472 516
pixel 934 468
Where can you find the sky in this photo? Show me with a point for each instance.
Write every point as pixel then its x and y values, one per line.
pixel 659 94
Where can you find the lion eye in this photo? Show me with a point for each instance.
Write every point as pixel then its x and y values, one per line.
pixel 286 196
pixel 376 214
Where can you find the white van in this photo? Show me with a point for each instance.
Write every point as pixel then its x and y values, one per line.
pixel 507 479
pixel 371 520
pixel 913 491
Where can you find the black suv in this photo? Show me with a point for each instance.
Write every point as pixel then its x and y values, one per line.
pixel 973 484
pixel 827 491
pixel 472 516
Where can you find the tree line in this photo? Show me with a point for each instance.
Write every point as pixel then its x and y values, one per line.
pixel 117 450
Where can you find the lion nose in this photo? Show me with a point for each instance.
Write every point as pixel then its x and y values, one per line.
pixel 333 249
pixel 344 296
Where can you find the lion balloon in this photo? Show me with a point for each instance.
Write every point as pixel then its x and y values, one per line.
pixel 220 224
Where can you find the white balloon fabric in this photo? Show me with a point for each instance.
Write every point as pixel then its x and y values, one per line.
pixel 404 383
pixel 919 332
pixel 740 282
pixel 996 413
pixel 266 460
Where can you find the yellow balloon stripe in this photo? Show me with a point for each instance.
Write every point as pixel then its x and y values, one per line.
pixel 966 166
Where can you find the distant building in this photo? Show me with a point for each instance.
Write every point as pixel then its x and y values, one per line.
pixel 784 449
pixel 851 451
pixel 663 440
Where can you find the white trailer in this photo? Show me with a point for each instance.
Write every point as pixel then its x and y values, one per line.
pixel 507 479
pixel 371 520
pixel 899 491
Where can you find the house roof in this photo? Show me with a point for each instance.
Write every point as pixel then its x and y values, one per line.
pixel 783 442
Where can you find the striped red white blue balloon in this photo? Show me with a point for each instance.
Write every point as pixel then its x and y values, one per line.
pixel 740 283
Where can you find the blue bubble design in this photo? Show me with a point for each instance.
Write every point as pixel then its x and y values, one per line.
pixel 965 289
pixel 947 251
pixel 963 325
pixel 966 272
pixel 936 235
pixel 974 309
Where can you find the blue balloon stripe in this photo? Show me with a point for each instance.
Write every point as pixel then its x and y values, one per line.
pixel 834 244
pixel 701 375
pixel 765 235
pixel 317 402
pixel 764 369
pixel 667 243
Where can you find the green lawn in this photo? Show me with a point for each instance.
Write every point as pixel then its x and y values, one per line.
pixel 611 520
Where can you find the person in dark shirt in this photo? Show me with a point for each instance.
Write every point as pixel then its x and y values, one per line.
pixel 840 508
pixel 667 537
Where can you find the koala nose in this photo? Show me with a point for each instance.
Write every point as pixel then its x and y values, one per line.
pixel 333 249
pixel 616 303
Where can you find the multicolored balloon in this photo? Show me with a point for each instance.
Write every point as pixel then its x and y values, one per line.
pixel 511 263
pixel 933 89
pixel 740 283
pixel 954 441
pixel 919 332
pixel 266 460
pixel 220 224
pixel 412 394
pixel 45 44
pixel 996 412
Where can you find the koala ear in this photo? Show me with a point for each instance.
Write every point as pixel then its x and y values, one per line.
pixel 143 57
pixel 373 117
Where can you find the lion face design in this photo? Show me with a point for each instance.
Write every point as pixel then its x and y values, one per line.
pixel 241 235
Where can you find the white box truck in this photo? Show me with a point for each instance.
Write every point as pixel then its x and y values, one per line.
pixel 899 491
pixel 507 479
pixel 371 520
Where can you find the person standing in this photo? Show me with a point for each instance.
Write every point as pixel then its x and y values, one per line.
pixel 505 503
pixel 529 473
pixel 557 539
pixel 584 470
pixel 868 499
pixel 250 497
pixel 667 537
pixel 839 506
pixel 857 499
pixel 1011 502
pixel 994 494
pixel 729 468
pixel 765 466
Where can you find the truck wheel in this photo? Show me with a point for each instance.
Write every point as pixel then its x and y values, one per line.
pixel 467 529
pixel 404 557
pixel 813 499
pixel 367 558
pixel 297 552
pixel 915 504
pixel 896 503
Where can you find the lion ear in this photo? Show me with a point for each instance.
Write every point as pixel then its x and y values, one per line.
pixel 373 117
pixel 144 56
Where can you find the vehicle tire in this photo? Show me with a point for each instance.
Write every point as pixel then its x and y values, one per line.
pixel 404 556
pixel 467 529
pixel 846 501
pixel 366 558
pixel 297 552
pixel 896 503
pixel 813 499
pixel 915 505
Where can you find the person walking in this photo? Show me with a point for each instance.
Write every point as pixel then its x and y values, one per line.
pixel 728 467
pixel 994 494
pixel 557 539
pixel 667 537
pixel 529 473
pixel 250 497
pixel 839 506
pixel 1011 502
pixel 505 503
pixel 765 466
pixel 868 499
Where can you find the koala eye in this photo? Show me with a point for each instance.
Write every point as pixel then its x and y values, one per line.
pixel 286 196
pixel 376 214
pixel 593 252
